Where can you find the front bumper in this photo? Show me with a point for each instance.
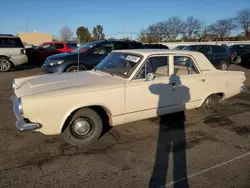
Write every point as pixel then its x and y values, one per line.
pixel 51 69
pixel 21 123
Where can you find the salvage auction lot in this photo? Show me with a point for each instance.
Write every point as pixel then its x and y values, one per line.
pixel 213 151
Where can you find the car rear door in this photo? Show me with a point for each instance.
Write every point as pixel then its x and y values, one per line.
pixel 45 51
pixel 60 48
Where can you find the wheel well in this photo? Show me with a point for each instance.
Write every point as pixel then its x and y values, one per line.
pixel 103 112
pixel 73 65
pixel 220 95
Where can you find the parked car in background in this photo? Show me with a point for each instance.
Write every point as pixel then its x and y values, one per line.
pixel 126 86
pixel 88 55
pixel 38 54
pixel 155 46
pixel 180 47
pixel 219 56
pixel 12 52
pixel 240 53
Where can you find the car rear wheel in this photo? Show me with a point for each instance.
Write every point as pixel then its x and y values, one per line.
pixel 74 68
pixel 224 65
pixel 84 129
pixel 209 105
pixel 5 65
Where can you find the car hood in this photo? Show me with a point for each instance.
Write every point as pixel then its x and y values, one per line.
pixel 66 83
pixel 62 56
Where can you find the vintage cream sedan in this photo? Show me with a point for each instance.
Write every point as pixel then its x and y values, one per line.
pixel 127 85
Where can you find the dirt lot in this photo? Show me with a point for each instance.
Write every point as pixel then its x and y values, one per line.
pixel 212 152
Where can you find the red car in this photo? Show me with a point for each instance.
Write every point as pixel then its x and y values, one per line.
pixel 38 54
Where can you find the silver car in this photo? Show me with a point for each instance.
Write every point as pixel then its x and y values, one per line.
pixel 12 52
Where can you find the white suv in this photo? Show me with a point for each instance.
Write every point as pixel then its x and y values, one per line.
pixel 12 52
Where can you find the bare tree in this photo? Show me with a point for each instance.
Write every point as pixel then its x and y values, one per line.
pixel 243 20
pixel 98 33
pixel 66 33
pixel 192 28
pixel 150 35
pixel 222 28
pixel 173 27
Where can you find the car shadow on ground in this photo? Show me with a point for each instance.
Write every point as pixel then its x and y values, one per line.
pixel 171 140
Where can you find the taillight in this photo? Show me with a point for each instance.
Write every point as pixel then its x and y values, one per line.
pixel 23 51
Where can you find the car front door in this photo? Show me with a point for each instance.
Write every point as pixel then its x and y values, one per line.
pixel 188 83
pixel 207 51
pixel 97 54
pixel 45 51
pixel 147 97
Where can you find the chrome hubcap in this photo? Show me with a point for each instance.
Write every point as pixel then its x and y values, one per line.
pixel 82 127
pixel 209 103
pixel 4 65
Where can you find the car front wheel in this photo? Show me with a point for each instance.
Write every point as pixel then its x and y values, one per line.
pixel 74 68
pixel 84 128
pixel 5 65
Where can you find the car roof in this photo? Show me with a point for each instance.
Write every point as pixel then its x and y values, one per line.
pixel 148 52
pixel 8 36
pixel 204 63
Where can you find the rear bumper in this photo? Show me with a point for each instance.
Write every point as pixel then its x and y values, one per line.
pixel 21 124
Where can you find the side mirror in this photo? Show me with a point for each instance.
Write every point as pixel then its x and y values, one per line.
pixel 150 76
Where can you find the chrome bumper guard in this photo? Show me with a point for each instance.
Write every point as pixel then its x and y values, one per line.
pixel 243 89
pixel 21 125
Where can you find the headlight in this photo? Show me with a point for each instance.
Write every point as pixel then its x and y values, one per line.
pixel 55 62
pixel 14 85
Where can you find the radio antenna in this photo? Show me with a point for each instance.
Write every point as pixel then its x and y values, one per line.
pixel 78 66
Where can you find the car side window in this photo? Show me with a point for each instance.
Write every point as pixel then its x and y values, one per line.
pixel 205 50
pixel 184 65
pixel 121 46
pixel 48 47
pixel 104 48
pixel 59 46
pixel 218 49
pixel 157 65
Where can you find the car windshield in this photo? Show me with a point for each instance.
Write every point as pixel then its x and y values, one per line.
pixel 85 47
pixel 120 64
pixel 38 47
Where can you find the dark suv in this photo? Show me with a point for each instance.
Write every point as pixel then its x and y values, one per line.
pixel 219 56
pixel 88 55
pixel 240 53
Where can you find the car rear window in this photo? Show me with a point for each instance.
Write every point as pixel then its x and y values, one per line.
pixel 11 43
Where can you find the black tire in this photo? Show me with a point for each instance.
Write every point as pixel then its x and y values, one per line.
pixel 5 65
pixel 74 68
pixel 224 65
pixel 71 135
pixel 209 105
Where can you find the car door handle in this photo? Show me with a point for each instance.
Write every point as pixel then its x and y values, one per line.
pixel 202 80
